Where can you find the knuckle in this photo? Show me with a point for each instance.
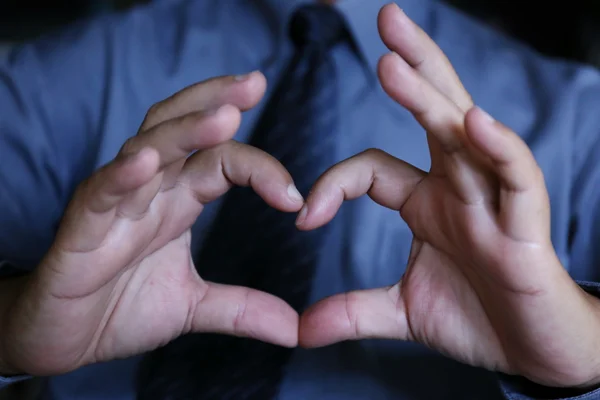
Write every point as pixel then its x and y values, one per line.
pixel 153 114
pixel 352 315
pixel 83 189
pixel 374 152
pixel 154 109
pixel 240 325
pixel 129 146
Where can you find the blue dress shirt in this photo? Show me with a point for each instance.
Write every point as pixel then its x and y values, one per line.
pixel 70 100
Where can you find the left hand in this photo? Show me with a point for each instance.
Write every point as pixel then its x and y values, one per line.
pixel 483 284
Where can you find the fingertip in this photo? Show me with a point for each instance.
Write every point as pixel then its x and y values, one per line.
pixel 257 82
pixel 228 113
pixel 137 169
pixel 275 322
pixel 281 196
pixel 319 209
pixel 394 75
pixel 486 133
pixel 227 120
pixel 388 21
pixel 149 157
pixel 281 329
pixel 149 160
pixel 294 195
pixel 289 338
pixel 388 11
pixel 302 217
pixel 476 115
pixel 250 89
pixel 476 121
pixel 387 65
pixel 324 323
pixel 383 13
pixel 256 74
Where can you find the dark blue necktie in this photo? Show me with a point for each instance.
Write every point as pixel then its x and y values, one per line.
pixel 254 245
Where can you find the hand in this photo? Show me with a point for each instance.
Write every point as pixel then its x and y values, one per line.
pixel 119 279
pixel 483 284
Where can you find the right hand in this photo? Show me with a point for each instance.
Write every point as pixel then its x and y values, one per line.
pixel 119 279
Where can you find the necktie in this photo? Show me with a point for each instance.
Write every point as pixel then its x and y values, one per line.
pixel 254 245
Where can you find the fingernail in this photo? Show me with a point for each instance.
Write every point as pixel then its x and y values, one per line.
pixel 487 116
pixel 240 78
pixel 302 215
pixel 294 194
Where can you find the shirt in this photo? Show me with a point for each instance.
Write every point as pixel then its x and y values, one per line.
pixel 70 100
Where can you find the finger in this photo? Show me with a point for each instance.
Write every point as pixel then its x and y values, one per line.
pixel 210 173
pixel 511 157
pixel 174 140
pixel 172 170
pixel 386 179
pixel 409 41
pixel 245 312
pixel 442 119
pixel 430 107
pixel 364 314
pixel 524 203
pixel 402 36
pixel 91 212
pixel 243 92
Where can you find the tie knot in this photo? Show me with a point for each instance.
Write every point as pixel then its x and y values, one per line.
pixel 317 25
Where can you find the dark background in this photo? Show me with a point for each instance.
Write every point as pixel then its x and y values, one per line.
pixel 26 19
pixel 568 29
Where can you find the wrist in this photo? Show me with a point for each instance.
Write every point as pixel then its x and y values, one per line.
pixel 570 354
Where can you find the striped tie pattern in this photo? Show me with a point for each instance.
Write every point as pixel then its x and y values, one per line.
pixel 254 245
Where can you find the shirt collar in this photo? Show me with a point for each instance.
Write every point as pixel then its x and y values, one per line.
pixel 361 16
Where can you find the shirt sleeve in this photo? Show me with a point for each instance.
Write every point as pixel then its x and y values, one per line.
pixel 584 236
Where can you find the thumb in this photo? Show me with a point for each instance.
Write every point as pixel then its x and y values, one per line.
pixel 245 312
pixel 363 314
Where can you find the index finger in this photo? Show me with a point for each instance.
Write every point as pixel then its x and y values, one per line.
pixel 388 180
pixel 177 138
pixel 243 92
